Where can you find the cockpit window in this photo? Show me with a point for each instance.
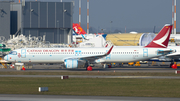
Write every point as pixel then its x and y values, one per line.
pixel 13 53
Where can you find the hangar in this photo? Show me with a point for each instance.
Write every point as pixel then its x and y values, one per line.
pixel 35 18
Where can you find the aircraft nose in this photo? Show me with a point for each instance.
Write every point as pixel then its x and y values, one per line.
pixel 6 57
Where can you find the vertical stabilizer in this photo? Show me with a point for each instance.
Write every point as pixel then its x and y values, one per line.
pixel 161 40
pixel 78 29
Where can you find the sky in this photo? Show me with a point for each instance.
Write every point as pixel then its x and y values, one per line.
pixel 134 15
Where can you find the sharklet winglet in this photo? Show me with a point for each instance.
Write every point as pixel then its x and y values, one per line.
pixel 109 50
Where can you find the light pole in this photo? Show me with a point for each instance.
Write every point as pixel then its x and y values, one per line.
pixel 58 36
pixel 110 25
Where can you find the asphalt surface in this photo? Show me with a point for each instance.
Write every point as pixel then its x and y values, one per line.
pixel 89 76
pixel 143 68
pixel 15 97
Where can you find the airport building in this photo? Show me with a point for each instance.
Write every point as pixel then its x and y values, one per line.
pixel 35 18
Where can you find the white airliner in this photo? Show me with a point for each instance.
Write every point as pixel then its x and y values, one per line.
pixel 74 57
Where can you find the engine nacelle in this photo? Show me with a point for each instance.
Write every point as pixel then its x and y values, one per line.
pixel 164 58
pixel 73 63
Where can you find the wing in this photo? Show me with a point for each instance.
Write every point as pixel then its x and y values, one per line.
pixel 93 58
pixel 173 55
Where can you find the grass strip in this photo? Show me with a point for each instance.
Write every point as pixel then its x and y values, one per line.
pixel 92 86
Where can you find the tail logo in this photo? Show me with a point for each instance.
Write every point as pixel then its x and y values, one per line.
pixel 77 29
pixel 161 40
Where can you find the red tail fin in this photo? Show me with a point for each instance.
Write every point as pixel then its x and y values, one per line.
pixel 161 40
pixel 78 29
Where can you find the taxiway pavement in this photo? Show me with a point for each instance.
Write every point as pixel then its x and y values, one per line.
pixel 19 97
pixel 94 76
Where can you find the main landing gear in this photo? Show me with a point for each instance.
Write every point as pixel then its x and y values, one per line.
pixel 88 67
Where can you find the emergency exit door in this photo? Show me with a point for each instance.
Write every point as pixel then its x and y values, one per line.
pixel 145 52
pixel 23 53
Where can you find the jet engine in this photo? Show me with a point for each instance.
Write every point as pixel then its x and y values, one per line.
pixel 164 58
pixel 74 63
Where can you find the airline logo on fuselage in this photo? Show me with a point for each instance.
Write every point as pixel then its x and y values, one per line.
pixel 161 40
